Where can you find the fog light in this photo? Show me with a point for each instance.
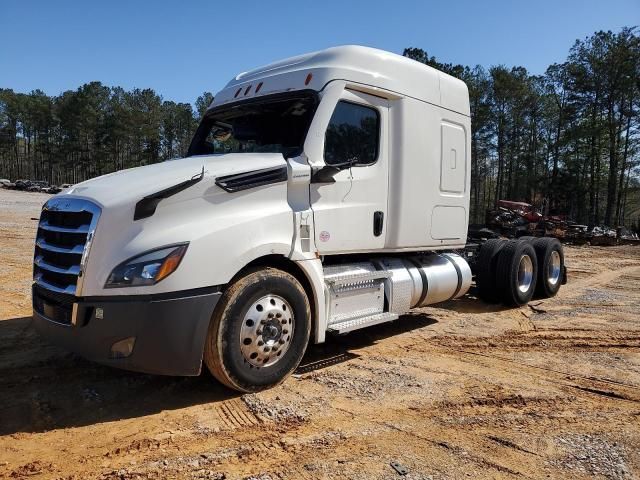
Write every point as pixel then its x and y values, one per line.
pixel 123 348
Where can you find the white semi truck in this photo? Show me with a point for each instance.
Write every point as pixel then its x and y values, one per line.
pixel 321 194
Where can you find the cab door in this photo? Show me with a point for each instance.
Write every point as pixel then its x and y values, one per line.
pixel 349 184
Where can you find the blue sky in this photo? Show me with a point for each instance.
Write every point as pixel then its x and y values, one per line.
pixel 182 48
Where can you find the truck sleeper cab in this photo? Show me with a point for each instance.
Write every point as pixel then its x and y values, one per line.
pixel 323 193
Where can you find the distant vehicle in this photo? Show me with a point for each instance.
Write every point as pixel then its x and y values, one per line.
pixel 527 210
pixel 37 186
pixel 321 194
pixel 22 184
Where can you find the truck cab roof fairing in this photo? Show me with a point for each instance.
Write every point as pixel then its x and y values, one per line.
pixel 352 63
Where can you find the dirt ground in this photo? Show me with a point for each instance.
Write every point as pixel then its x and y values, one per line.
pixel 465 390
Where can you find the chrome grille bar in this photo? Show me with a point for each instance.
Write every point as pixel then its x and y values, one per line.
pixel 53 228
pixel 73 270
pixel 77 249
pixel 69 289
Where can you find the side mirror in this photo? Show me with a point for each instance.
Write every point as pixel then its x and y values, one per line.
pixel 324 174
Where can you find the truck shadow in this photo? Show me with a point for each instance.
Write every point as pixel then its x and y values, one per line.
pixel 471 303
pixel 340 348
pixel 43 387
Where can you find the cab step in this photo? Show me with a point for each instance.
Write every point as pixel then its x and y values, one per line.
pixel 359 278
pixel 361 322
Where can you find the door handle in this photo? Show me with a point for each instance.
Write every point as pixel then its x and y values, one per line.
pixel 378 222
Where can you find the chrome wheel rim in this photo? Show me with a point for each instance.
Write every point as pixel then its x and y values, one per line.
pixel 525 273
pixel 267 331
pixel 554 268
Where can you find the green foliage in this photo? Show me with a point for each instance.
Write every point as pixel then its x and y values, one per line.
pixel 203 102
pixel 568 141
pixel 90 131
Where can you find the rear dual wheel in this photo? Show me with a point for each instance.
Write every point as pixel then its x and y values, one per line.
pixel 513 271
pixel 527 238
pixel 259 331
pixel 517 272
pixel 487 263
pixel 551 266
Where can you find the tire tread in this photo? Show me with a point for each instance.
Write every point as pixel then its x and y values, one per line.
pixel 507 272
pixel 486 270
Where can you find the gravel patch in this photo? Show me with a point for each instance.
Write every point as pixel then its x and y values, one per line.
pixel 598 296
pixel 593 455
pixel 275 410
pixel 367 381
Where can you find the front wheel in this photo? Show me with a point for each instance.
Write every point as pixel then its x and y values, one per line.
pixel 259 331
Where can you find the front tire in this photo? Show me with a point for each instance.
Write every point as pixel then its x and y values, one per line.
pixel 259 331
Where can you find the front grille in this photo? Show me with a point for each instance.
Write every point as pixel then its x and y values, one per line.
pixel 64 235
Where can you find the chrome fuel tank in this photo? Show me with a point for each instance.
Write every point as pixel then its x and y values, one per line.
pixel 424 280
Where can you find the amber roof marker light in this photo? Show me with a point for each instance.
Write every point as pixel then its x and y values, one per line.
pixel 258 87
pixel 308 79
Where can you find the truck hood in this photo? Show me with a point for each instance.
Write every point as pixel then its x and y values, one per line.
pixel 130 185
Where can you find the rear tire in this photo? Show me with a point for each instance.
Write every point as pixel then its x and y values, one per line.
pixel 259 331
pixel 528 238
pixel 550 266
pixel 486 270
pixel 517 272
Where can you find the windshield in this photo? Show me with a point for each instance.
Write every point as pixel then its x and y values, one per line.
pixel 274 123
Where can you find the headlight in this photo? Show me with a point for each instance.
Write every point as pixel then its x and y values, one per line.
pixel 148 268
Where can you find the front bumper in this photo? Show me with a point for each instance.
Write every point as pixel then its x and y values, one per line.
pixel 169 330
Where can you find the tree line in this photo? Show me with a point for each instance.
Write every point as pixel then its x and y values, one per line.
pixel 567 141
pixel 91 131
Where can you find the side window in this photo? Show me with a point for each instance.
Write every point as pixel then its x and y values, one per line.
pixel 353 135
